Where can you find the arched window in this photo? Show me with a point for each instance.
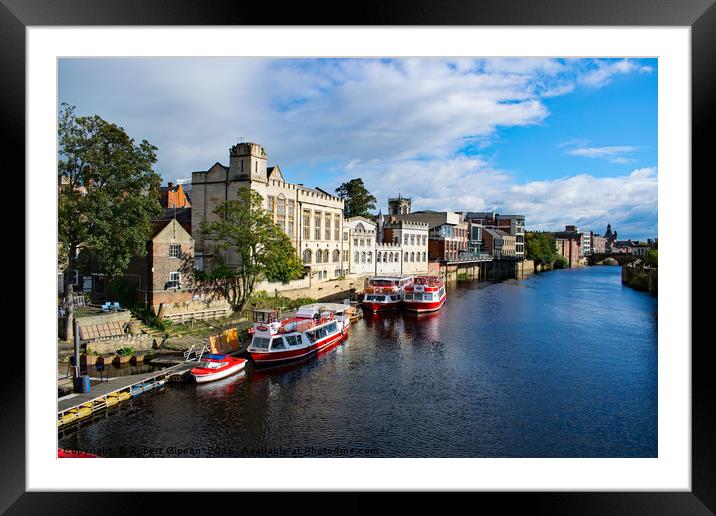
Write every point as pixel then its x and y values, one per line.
pixel 412 257
pixel 326 256
pixel 396 257
pixel 424 257
pixel 377 256
pixel 362 257
pixel 356 256
pixel 405 257
pixel 390 257
pixel 307 256
pixel 370 257
pixel 336 256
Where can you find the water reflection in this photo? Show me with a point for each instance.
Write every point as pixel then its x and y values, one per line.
pixel 557 365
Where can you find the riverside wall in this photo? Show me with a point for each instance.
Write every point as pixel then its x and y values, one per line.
pixel 641 279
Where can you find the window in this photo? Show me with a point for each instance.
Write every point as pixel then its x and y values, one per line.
pixel 370 257
pixel 317 225
pixel 355 242
pixel 278 343
pixel 362 257
pixel 328 226
pixel 405 258
pixel 377 257
pixel 356 257
pixel 336 256
pixel 337 227
pixel 290 218
pixel 293 340
pixel 281 213
pixel 405 240
pixel 412 257
pixel 174 280
pixel 306 224
pixel 319 256
pixel 270 204
pixel 412 239
pixel 260 343
pixel 362 242
pixel 367 242
pixel 307 257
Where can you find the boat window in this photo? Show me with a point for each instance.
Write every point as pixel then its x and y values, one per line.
pixel 408 296
pixel 331 327
pixel 395 298
pixel 260 343
pixel 210 365
pixel 278 343
pixel 312 335
pixel 293 340
pixel 418 296
pixel 323 332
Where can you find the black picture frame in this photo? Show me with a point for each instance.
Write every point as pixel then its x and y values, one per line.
pixel 700 15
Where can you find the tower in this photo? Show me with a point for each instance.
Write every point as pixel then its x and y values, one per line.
pixel 247 162
pixel 398 205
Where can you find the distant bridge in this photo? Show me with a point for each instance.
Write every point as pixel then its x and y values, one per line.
pixel 621 258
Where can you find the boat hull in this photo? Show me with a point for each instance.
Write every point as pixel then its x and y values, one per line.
pixel 274 357
pixel 424 306
pixel 204 378
pixel 381 307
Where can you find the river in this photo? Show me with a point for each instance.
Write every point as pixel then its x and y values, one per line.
pixel 560 364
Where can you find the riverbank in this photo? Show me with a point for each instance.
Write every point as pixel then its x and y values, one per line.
pixel 641 278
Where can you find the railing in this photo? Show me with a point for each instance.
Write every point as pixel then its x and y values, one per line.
pixel 305 325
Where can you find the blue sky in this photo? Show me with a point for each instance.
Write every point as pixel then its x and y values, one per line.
pixel 563 141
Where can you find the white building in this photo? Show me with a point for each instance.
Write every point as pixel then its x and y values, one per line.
pixel 362 240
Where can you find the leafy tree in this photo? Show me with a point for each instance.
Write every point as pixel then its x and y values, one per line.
pixel 245 230
pixel 652 258
pixel 358 200
pixel 109 192
pixel 540 247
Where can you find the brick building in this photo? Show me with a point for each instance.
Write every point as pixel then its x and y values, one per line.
pixel 173 196
pixel 569 245
pixel 499 243
pixel 511 224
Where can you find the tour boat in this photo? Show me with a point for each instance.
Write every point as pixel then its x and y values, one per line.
pixel 315 327
pixel 385 292
pixel 425 294
pixel 216 367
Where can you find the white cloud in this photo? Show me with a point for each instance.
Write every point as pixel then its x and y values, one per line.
pixel 602 74
pixel 614 154
pixel 629 201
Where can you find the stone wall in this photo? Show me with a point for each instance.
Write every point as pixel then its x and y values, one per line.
pixel 641 279
pixel 141 342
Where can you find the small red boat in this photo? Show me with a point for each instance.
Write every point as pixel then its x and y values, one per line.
pixel 425 294
pixel 216 367
pixel 385 292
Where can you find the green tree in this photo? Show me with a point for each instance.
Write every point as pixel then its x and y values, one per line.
pixel 109 193
pixel 244 229
pixel 358 200
pixel 652 258
pixel 540 247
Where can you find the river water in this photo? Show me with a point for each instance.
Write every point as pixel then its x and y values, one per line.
pixel 560 364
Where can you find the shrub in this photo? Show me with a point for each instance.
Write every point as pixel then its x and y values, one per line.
pixel 560 262
pixel 126 351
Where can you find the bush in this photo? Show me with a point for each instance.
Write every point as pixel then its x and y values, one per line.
pixel 560 262
pixel 126 351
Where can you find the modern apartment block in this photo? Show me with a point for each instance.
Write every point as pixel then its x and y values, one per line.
pixel 511 224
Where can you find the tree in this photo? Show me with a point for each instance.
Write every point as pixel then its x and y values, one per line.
pixel 261 249
pixel 540 247
pixel 652 258
pixel 108 195
pixel 358 200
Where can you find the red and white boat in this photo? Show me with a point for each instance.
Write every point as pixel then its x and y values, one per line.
pixel 315 327
pixel 216 367
pixel 425 294
pixel 385 292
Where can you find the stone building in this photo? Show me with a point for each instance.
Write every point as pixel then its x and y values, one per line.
pixel 447 232
pixel 362 238
pixel 412 238
pixel 310 217
pixel 598 244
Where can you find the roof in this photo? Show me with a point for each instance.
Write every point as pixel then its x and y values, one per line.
pixel 158 225
pixel 497 232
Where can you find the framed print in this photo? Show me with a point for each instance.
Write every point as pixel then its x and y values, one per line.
pixel 324 257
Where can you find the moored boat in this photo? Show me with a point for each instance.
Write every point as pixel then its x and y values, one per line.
pixel 425 294
pixel 216 367
pixel 315 327
pixel 385 292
